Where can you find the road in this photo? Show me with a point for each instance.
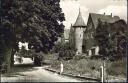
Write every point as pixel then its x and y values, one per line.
pixel 35 74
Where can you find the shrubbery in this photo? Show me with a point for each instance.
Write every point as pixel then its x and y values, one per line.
pixel 66 54
pixel 65 50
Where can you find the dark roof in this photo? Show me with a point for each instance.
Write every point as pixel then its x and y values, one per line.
pixel 103 18
pixel 79 21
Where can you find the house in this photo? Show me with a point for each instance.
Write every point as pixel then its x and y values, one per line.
pixel 89 43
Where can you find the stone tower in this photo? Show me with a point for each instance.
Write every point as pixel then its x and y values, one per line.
pixel 79 28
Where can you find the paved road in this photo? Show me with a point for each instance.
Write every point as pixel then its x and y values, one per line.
pixel 36 74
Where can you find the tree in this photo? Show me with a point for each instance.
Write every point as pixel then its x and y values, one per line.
pixel 66 51
pixel 119 37
pixel 102 38
pixel 37 22
pixel 111 38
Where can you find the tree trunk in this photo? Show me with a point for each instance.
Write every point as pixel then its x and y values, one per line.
pixel 8 58
pixel 5 54
pixel 12 57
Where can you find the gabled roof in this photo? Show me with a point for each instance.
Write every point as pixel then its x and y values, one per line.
pixel 79 21
pixel 103 18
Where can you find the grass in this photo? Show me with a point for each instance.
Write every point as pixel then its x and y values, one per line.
pixel 117 68
pixel 89 67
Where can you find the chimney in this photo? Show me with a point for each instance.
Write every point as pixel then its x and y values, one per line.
pixel 111 14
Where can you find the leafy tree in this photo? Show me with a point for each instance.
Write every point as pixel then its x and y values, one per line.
pixel 38 22
pixel 66 51
pixel 102 38
pixel 119 38
pixel 111 38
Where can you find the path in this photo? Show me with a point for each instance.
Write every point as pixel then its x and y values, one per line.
pixel 26 72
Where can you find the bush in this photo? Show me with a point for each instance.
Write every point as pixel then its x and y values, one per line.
pixel 66 52
pixel 38 58
pixel 57 47
pixel 96 57
pixel 79 57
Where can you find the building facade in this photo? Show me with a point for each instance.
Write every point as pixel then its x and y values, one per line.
pixel 89 42
pixel 82 36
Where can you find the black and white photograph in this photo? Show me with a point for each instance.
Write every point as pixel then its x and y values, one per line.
pixel 63 41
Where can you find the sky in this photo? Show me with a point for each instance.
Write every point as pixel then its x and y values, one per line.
pixel 71 8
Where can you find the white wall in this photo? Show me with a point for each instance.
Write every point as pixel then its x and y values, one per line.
pixel 97 50
pixel 90 53
pixel 79 39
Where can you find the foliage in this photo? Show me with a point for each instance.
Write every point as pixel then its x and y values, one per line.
pixel 111 38
pixel 57 47
pixel 102 38
pixel 89 67
pixel 38 22
pixel 66 52
pixel 119 37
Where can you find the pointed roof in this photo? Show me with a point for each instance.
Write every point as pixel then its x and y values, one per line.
pixel 79 21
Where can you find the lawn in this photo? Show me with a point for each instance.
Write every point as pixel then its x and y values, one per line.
pixel 85 66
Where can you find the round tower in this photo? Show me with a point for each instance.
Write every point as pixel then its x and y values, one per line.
pixel 79 27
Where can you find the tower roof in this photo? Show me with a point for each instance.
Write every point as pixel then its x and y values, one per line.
pixel 79 21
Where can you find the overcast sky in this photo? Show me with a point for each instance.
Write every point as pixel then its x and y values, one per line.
pixel 71 9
